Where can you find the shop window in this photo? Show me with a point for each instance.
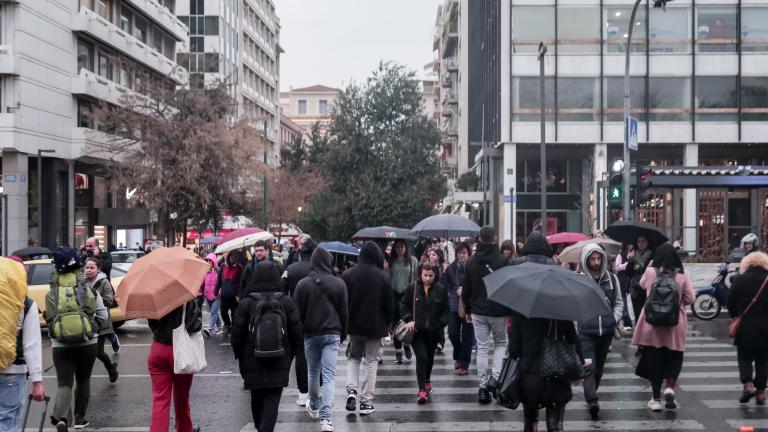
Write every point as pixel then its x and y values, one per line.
pixel 528 180
pixel 613 98
pixel 531 25
pixel 616 29
pixel 526 98
pixel 754 99
pixel 580 31
pixel 670 99
pixel 670 30
pixel 578 99
pixel 716 29
pixel 754 29
pixel 716 98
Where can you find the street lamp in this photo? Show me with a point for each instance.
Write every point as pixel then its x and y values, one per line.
pixel 543 146
pixel 627 51
pixel 40 193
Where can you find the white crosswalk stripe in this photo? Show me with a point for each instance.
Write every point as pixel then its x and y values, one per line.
pixel 369 426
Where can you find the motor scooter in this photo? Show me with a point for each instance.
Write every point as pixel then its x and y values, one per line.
pixel 711 299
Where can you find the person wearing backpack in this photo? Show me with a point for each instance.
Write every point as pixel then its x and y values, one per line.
pixel 597 334
pixel 96 280
pixel 322 301
pixel 72 313
pixel 24 356
pixel 662 325
pixel 266 335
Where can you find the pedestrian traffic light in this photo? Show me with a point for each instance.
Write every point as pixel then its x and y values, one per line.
pixel 615 190
pixel 642 184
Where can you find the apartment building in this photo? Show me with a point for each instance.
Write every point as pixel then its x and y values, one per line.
pixel 238 41
pixel 56 59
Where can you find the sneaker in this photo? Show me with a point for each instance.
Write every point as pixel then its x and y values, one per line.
pixel 388 339
pixel 594 410
pixel 655 405
pixel 747 394
pixel 422 398
pixel 428 387
pixel 61 426
pixel 206 332
pixel 399 358
pixel 217 331
pixel 462 372
pixel 483 396
pixel 302 399
pixel 82 424
pixel 351 400
pixel 115 343
pixel 439 349
pixel 326 426
pixel 113 374
pixel 366 409
pixel 408 352
pixel 669 399
pixel 313 414
pixel 381 361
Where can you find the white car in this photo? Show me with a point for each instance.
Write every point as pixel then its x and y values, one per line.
pixel 124 259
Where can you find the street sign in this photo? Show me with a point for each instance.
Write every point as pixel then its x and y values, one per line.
pixel 510 199
pixel 631 139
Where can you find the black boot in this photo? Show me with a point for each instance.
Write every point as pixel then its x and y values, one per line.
pixel 483 396
pixel 530 426
pixel 555 418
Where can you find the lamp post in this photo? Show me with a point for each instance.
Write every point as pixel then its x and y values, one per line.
pixel 543 147
pixel 40 193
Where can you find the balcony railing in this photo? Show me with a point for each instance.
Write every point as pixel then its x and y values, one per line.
pixel 163 17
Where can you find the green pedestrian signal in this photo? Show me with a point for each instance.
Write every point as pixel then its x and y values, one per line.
pixel 615 190
pixel 614 194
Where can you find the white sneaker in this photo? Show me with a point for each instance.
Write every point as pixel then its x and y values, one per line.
pixel 387 339
pixel 655 405
pixel 314 415
pixel 302 399
pixel 326 426
pixel 669 399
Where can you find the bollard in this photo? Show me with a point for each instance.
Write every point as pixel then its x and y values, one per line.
pixel 747 429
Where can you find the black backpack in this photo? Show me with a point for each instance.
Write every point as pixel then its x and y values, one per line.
pixel 267 327
pixel 662 308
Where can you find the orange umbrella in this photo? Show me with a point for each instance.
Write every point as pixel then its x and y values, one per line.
pixel 159 282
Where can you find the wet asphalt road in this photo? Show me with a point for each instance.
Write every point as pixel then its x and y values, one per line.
pixel 708 392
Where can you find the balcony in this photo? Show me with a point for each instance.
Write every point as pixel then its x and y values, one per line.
pixel 8 63
pixel 163 17
pixel 262 14
pixel 450 98
pixel 450 129
pixel 452 64
pixel 258 68
pixel 254 96
pixel 253 34
pixel 89 84
pixel 88 22
pixel 447 81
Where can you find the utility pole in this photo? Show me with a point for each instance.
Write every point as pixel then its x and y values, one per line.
pixel 543 146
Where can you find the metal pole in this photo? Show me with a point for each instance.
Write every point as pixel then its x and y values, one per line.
pixel 625 205
pixel 39 197
pixel 265 183
pixel 543 156
pixel 5 224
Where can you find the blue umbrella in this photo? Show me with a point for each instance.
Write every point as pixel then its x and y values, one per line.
pixel 210 240
pixel 339 247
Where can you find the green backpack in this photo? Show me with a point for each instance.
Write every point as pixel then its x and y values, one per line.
pixel 75 306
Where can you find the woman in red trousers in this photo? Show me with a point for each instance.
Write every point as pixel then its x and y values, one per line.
pixel 164 381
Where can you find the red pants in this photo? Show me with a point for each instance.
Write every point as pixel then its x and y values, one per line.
pixel 164 381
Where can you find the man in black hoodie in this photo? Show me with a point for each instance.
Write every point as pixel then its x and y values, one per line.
pixel 489 318
pixel 322 301
pixel 370 308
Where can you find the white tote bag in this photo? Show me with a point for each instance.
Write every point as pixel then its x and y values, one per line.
pixel 188 350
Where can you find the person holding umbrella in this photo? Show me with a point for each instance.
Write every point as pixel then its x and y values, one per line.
pixel 661 347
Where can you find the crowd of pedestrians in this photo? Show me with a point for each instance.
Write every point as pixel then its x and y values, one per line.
pixel 304 313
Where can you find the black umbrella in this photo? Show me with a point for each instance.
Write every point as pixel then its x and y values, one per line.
pixel 628 232
pixel 446 226
pixel 383 233
pixel 31 251
pixel 546 291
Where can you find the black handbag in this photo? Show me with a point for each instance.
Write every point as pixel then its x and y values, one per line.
pixel 559 360
pixel 508 384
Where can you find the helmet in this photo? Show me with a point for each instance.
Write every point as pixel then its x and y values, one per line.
pixel 750 238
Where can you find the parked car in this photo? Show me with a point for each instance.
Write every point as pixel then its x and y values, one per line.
pixel 125 258
pixel 39 278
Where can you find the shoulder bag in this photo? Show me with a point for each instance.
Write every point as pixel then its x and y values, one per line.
pixel 188 349
pixel 559 360
pixel 735 324
pixel 403 335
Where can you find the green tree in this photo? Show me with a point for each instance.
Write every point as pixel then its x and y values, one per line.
pixel 381 161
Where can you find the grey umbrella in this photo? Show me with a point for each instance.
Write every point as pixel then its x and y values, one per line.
pixel 446 226
pixel 546 291
pixel 383 233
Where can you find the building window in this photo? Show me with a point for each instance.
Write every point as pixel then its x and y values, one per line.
pixel 211 26
pixel 169 46
pixel 196 44
pixel 104 9
pixel 613 98
pixel 323 107
pixel 530 25
pixel 716 29
pixel 157 40
pixel 670 30
pixel 84 56
pixel 302 106
pixel 106 65
pixel 716 98
pixel 141 31
pixel 528 180
pixel 126 20
pixel 754 29
pixel 616 29
pixel 125 76
pixel 578 99
pixel 754 98
pixel 670 99
pixel 196 7
pixel 526 100
pixel 211 62
pixel 84 113
pixel 580 32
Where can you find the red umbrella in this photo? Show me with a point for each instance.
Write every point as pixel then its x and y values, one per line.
pixel 242 232
pixel 566 237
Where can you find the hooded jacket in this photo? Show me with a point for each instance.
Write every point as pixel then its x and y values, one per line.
pixel 300 269
pixel 211 278
pixel 228 284
pixel 536 250
pixel 103 287
pixel 260 373
pixel 487 258
pixel 609 285
pixel 322 299
pixel 369 294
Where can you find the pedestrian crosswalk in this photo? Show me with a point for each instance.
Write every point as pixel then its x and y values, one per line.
pixel 707 392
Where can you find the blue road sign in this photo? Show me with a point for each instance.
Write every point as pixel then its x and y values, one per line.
pixel 631 139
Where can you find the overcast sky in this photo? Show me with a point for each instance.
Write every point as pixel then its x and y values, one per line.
pixel 331 42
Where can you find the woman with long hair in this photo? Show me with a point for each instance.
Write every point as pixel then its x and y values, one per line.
pixel 402 271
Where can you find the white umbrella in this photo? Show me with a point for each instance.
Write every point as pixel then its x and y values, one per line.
pixel 244 241
pixel 572 254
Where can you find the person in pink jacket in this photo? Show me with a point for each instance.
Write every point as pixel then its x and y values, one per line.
pixel 661 348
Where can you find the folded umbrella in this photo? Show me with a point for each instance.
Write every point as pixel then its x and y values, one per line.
pixel 628 232
pixel 546 291
pixel 572 254
pixel 159 282
pixel 566 237
pixel 383 233
pixel 446 226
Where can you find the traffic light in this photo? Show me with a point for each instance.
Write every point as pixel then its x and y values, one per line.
pixel 642 184
pixel 615 190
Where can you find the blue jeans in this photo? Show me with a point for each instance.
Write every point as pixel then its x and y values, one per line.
pixel 214 307
pixel 12 392
pixel 321 353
